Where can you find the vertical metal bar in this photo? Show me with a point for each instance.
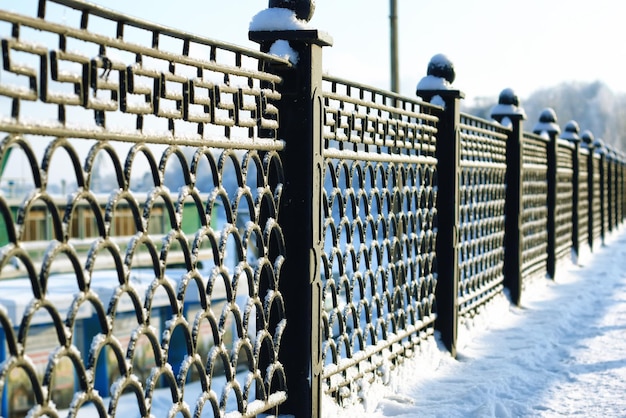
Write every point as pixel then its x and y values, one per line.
pixel 393 45
pixel 603 186
pixel 609 189
pixel 301 112
pixel 547 125
pixel 448 198
pixel 552 155
pixel 513 238
pixel 576 198
pixel 590 192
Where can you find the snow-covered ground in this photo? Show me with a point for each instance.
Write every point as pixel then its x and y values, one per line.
pixel 561 354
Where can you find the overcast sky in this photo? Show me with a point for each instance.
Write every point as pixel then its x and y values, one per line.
pixel 493 43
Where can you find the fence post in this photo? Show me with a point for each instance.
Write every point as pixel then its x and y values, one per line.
pixel 608 160
pixel 436 88
pixel 547 123
pixel 300 213
pixel 507 112
pixel 600 149
pixel 571 134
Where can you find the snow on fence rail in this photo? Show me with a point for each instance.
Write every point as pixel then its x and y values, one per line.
pixel 233 234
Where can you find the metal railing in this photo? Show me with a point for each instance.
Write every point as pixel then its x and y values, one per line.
pixel 190 228
pixel 178 304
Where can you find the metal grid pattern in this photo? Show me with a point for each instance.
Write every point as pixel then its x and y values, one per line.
pixel 564 199
pixel 583 199
pixel 379 266
pixel 482 201
pixel 534 205
pixel 140 245
pixel 597 194
pixel 604 178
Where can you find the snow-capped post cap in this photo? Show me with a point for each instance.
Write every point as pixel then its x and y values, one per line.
pixel 508 106
pixel 286 20
pixel 304 9
pixel 440 75
pixel 570 132
pixel 547 122
pixel 598 144
pixel 587 139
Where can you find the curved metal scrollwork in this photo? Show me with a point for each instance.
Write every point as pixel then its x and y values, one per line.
pixel 140 249
pixel 379 268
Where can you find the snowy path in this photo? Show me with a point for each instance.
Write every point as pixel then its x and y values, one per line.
pixel 563 353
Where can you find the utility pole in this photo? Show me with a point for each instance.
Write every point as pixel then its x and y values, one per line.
pixel 393 37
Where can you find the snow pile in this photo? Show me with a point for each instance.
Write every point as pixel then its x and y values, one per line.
pixel 561 354
pixel 282 49
pixel 274 19
pixel 277 19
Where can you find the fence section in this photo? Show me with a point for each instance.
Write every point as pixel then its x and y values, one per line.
pixel 482 204
pixel 140 251
pixel 379 264
pixel 564 224
pixel 535 205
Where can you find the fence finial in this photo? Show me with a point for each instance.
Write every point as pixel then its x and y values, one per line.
pixel 439 75
pixel 303 9
pixel 571 131
pixel 507 107
pixel 600 146
pixel 587 139
pixel 438 82
pixel 547 122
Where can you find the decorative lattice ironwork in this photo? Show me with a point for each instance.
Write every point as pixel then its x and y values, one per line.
pixel 482 201
pixel 534 205
pixel 583 199
pixel 564 199
pixel 379 267
pixel 597 208
pixel 141 183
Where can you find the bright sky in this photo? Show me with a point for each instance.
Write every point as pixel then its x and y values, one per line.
pixel 494 44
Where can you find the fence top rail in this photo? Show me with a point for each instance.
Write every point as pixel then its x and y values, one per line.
pixel 373 92
pixel 157 29
pixel 484 126
pixel 536 137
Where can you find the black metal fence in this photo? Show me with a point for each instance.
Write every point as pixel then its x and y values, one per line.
pixel 190 228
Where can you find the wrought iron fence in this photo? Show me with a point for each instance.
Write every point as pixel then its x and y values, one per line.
pixel 535 207
pixel 190 228
pixel 378 265
pixel 141 252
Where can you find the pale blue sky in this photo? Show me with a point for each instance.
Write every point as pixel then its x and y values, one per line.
pixel 493 43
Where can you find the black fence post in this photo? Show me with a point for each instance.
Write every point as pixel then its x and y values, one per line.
pixel 600 149
pixel 507 112
pixel 300 215
pixel 612 178
pixel 571 134
pixel 620 187
pixel 436 88
pixel 547 124
pixel 608 186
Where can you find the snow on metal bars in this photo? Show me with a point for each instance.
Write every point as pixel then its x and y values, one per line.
pixel 378 266
pixel 140 188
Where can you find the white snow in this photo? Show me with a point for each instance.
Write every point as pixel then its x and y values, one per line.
pixel 274 19
pixel 282 49
pixel 561 354
pixel 431 82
